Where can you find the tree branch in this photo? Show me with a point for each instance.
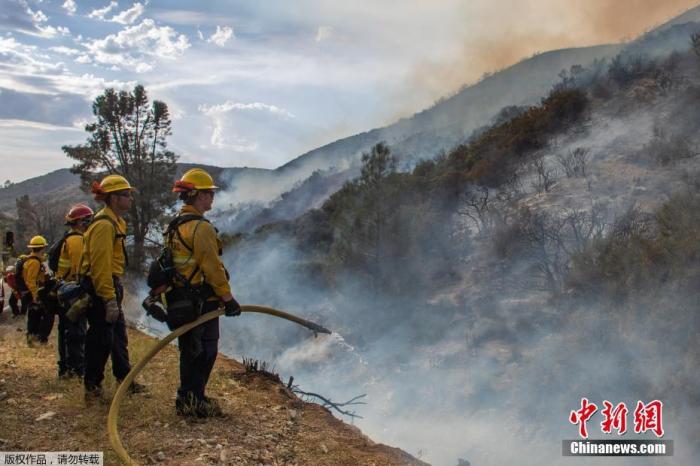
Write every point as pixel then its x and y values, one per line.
pixel 327 403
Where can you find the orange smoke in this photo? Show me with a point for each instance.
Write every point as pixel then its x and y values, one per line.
pixel 508 31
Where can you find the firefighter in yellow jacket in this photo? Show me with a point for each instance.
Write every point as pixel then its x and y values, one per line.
pixel 71 335
pixel 103 262
pixel 39 320
pixel 196 251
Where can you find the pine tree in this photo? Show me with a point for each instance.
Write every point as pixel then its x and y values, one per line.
pixel 128 138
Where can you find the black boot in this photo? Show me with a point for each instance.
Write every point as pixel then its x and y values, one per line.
pixel 94 393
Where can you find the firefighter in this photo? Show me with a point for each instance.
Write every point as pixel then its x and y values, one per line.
pixel 102 266
pixel 196 251
pixel 39 320
pixel 71 335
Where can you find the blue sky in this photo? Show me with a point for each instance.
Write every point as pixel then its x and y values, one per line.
pixel 258 83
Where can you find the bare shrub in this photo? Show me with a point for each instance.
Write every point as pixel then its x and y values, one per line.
pixel 545 176
pixel 476 206
pixel 574 162
pixel 545 242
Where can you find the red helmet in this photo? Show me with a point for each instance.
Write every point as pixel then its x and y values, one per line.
pixel 78 212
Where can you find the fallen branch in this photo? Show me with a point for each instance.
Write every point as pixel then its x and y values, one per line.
pixel 327 403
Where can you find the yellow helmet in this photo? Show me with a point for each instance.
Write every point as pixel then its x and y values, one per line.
pixel 38 242
pixel 109 184
pixel 196 178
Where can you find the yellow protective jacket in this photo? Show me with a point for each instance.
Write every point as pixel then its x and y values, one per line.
pixel 69 260
pixel 104 252
pixel 33 274
pixel 202 252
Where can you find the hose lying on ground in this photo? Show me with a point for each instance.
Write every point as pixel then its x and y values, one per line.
pixel 123 387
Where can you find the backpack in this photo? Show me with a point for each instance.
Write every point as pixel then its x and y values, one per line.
pixel 183 302
pixel 162 270
pixel 54 253
pixel 19 272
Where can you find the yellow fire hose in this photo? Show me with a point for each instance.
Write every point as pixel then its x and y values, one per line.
pixel 121 391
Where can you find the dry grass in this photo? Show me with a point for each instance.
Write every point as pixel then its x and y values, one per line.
pixel 265 423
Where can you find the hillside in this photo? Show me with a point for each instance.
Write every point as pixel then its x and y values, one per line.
pixel 440 128
pixel 62 186
pixel 57 184
pixel 420 136
pixel 451 120
pixel 554 255
pixel 265 423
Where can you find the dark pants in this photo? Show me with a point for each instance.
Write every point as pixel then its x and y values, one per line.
pixel 104 340
pixel 71 345
pixel 16 311
pixel 39 321
pixel 198 350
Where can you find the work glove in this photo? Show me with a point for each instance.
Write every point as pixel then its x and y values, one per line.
pixel 232 308
pixel 155 309
pixel 111 311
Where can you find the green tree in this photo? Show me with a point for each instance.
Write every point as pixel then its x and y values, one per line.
pixel 363 215
pixel 129 138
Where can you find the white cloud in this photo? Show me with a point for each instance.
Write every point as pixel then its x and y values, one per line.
pixel 135 47
pixel 323 33
pixel 221 36
pixel 65 50
pixel 46 31
pixel 176 113
pixel 26 71
pixel 70 7
pixel 16 123
pixel 130 15
pixel 191 17
pixel 37 16
pixel 229 105
pixel 20 61
pixel 223 137
pixel 84 59
pixel 223 140
pixel 100 13
pixel 31 24
pixel 141 67
pixel 88 85
pixel 49 31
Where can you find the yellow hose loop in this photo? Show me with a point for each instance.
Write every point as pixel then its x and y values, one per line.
pixel 114 439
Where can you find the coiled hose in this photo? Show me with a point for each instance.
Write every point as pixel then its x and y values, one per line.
pixel 124 386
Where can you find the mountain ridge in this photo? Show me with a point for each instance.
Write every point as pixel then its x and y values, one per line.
pixel 423 135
